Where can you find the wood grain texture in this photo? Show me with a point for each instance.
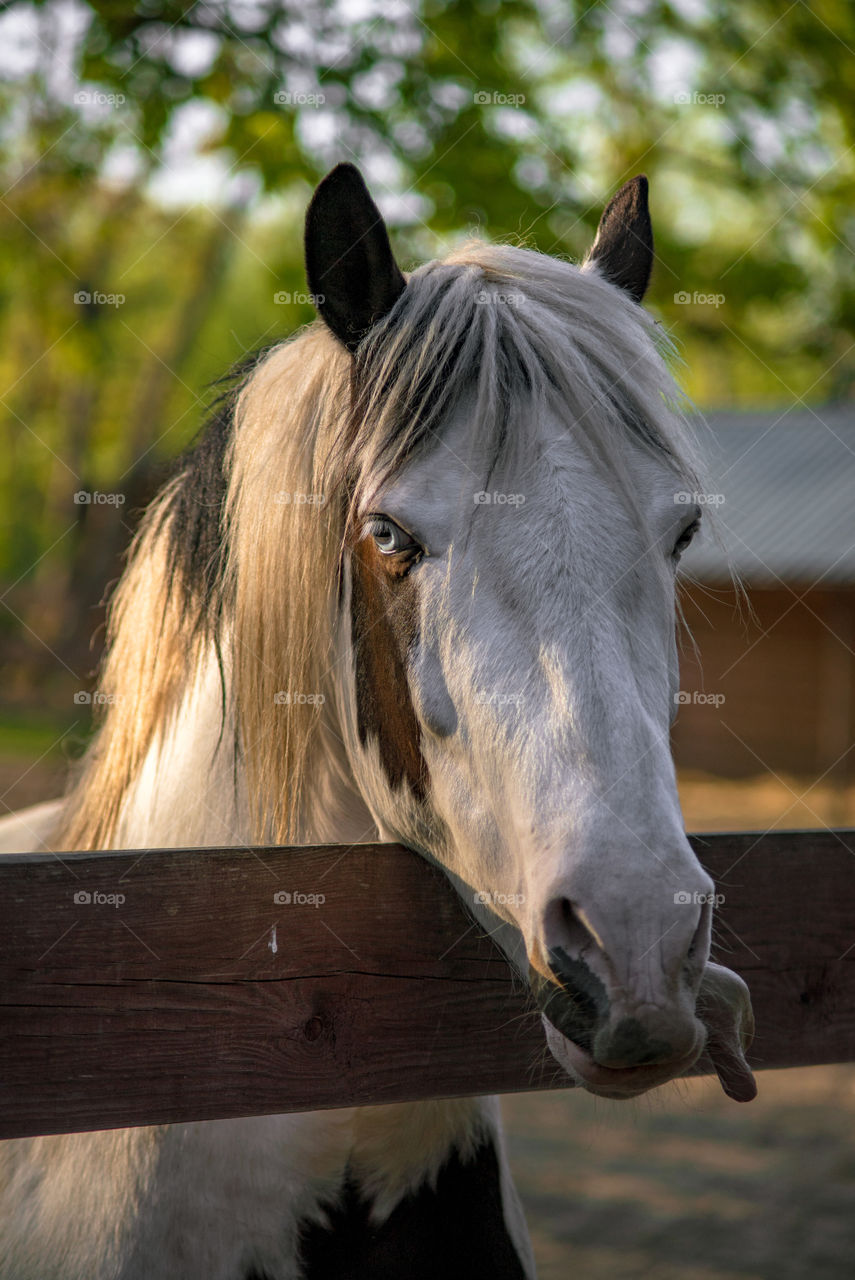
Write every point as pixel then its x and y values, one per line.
pixel 202 996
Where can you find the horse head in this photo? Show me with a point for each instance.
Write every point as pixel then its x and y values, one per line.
pixel 517 490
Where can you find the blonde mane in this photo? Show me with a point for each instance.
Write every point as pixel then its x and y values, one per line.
pixel 310 428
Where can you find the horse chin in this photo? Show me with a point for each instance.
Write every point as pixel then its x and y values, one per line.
pixel 618 1084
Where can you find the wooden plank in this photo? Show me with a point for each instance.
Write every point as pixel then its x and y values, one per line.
pixel 182 989
pixel 787 925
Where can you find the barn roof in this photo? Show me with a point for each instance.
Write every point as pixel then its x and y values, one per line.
pixel 787 480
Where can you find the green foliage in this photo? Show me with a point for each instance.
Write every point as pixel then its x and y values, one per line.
pixel 517 119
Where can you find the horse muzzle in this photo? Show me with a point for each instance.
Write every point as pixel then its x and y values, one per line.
pixel 617 1053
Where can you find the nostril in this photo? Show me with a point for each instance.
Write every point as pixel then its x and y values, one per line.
pixel 570 994
pixel 567 928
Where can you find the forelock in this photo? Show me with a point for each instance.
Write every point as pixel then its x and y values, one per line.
pixel 513 330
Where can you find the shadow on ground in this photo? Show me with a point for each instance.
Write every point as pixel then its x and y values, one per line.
pixel 686 1185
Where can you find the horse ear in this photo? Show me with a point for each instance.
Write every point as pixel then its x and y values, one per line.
pixel 349 262
pixel 623 249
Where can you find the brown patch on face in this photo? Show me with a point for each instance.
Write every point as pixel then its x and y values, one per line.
pixel 384 625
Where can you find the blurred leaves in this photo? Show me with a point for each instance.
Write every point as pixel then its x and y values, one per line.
pixel 164 152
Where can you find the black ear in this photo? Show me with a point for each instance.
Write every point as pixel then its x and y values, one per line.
pixel 349 262
pixel 623 249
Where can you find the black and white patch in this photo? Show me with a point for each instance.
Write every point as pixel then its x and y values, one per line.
pixel 455 1231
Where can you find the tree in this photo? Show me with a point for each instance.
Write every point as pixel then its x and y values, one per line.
pixel 518 119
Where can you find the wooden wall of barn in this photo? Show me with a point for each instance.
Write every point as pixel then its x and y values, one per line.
pixel 784 663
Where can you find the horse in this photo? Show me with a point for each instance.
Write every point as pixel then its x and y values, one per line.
pixel 415 582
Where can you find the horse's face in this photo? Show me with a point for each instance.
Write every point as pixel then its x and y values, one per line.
pixel 515 668
pixel 511 659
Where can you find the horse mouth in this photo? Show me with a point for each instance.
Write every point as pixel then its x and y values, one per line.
pixel 617 1083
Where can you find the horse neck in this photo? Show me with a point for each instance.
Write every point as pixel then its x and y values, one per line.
pixel 191 790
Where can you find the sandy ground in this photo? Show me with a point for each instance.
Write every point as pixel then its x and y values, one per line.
pixel 686 1185
pixel 683 1184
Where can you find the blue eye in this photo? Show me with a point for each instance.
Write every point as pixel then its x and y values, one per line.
pixel 389 538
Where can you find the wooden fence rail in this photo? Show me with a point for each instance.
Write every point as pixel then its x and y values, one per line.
pixel 174 985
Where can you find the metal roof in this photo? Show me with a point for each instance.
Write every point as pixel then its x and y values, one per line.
pixel 782 486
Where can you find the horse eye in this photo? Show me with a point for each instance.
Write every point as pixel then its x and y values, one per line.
pixel 389 538
pixel 685 538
